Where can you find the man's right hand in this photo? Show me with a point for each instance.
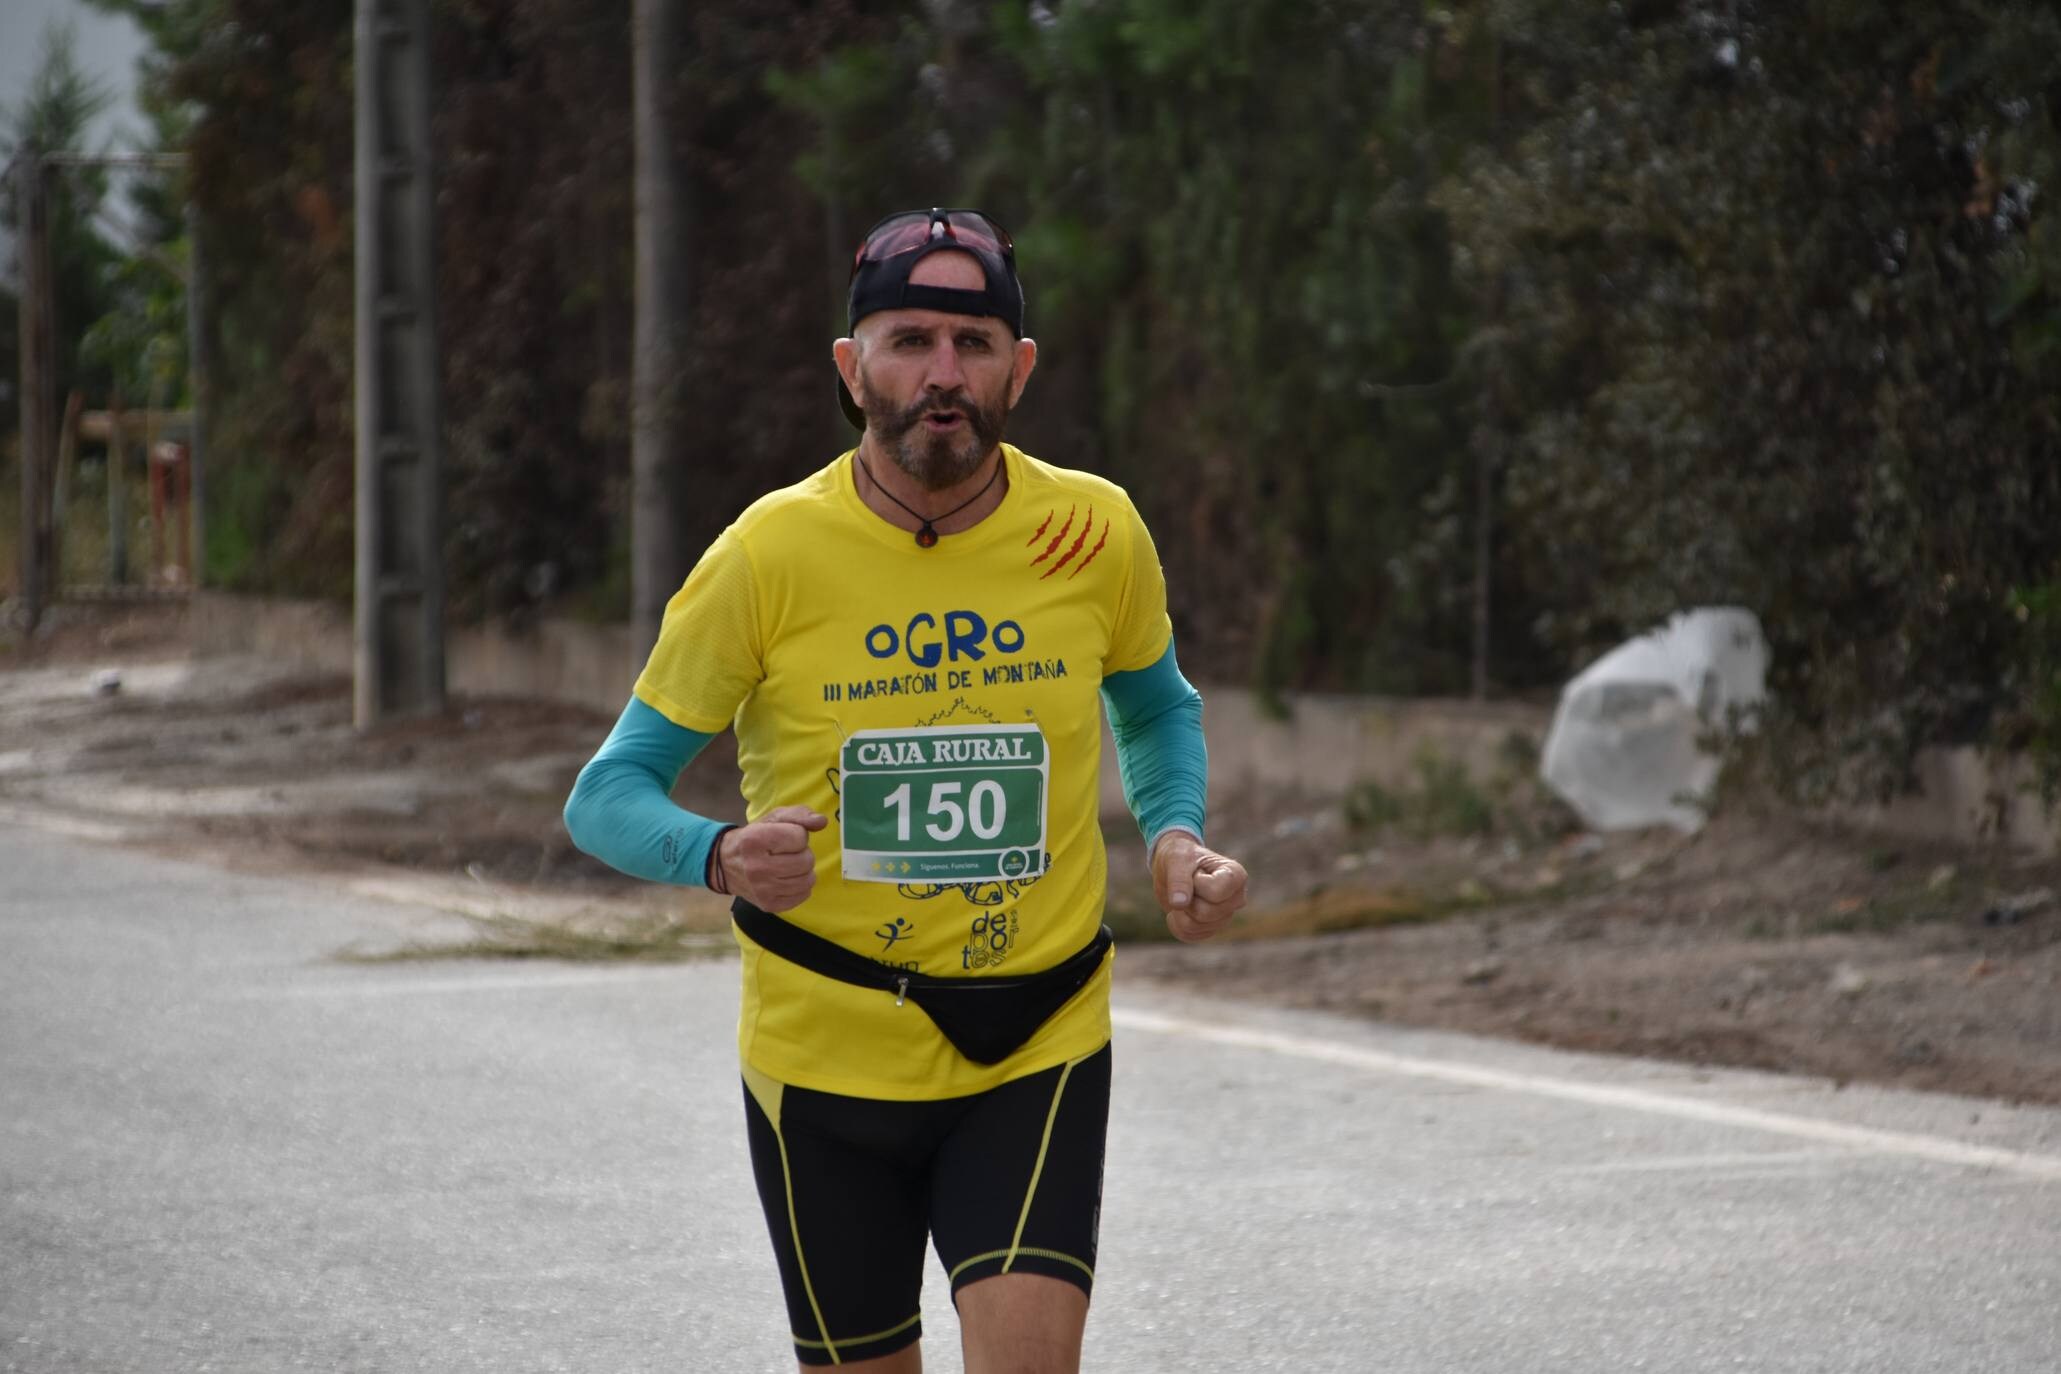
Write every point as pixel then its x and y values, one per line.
pixel 769 863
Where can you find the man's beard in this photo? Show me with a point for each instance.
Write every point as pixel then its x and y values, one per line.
pixel 936 461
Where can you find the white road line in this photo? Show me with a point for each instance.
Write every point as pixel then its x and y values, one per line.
pixel 52 822
pixel 1759 1161
pixel 1935 1148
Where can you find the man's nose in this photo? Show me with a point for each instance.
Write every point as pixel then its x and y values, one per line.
pixel 944 373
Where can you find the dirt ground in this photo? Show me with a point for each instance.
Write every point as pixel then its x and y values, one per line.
pixel 1768 940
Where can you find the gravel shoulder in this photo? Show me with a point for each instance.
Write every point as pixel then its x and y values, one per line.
pixel 1768 940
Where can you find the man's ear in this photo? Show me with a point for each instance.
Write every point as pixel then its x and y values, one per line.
pixel 1021 366
pixel 845 353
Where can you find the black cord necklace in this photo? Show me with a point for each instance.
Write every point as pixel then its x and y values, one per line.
pixel 925 535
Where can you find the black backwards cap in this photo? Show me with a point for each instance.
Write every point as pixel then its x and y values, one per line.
pixel 893 247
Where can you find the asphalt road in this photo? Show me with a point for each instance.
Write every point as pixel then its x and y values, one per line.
pixel 221 1149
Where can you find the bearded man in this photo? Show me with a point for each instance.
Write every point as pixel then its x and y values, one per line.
pixel 911 645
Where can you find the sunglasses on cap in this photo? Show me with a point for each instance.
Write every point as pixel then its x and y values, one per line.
pixel 912 229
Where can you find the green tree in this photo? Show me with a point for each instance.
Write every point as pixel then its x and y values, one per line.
pixel 55 116
pixel 1779 325
pixel 1741 302
pixel 1256 330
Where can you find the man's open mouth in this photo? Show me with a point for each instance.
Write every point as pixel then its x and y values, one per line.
pixel 943 419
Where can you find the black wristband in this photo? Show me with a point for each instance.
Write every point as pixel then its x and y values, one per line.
pixel 712 875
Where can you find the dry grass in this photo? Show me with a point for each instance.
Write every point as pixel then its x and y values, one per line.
pixel 650 939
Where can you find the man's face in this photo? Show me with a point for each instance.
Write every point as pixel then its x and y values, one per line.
pixel 937 388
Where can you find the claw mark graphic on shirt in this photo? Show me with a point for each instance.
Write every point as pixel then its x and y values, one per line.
pixel 1091 552
pixel 1042 528
pixel 1060 537
pixel 1079 540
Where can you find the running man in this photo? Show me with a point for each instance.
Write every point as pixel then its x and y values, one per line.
pixel 910 645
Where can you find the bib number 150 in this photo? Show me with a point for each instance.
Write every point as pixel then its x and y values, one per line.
pixel 943 804
pixel 985 811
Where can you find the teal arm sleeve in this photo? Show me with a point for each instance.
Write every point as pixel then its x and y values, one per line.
pixel 1156 718
pixel 621 809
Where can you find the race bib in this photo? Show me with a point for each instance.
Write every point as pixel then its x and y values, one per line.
pixel 944 804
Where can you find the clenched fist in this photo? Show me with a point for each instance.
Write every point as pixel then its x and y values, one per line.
pixel 768 863
pixel 1198 888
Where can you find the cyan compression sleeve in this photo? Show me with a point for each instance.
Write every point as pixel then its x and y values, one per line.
pixel 621 809
pixel 1156 718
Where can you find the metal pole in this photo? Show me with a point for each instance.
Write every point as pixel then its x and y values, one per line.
pixel 197 383
pixel 117 493
pixel 25 381
pixel 38 337
pixel 1484 497
pixel 400 595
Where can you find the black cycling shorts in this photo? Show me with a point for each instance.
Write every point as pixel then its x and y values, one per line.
pixel 1008 1181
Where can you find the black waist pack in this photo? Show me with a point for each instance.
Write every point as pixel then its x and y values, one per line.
pixel 986 1019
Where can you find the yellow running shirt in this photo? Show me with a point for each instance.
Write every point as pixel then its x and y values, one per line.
pixel 941 707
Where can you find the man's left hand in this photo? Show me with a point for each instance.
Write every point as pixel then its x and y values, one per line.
pixel 1198 888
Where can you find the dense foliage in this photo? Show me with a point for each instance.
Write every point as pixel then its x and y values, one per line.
pixel 1784 326
pixel 53 115
pixel 1387 313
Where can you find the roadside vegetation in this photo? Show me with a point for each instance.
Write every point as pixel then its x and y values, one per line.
pixel 1500 323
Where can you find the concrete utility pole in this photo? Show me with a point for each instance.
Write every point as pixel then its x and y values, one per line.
pixel 400 581
pixel 38 333
pixel 659 422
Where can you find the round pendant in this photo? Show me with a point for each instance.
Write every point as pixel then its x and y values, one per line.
pixel 926 536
